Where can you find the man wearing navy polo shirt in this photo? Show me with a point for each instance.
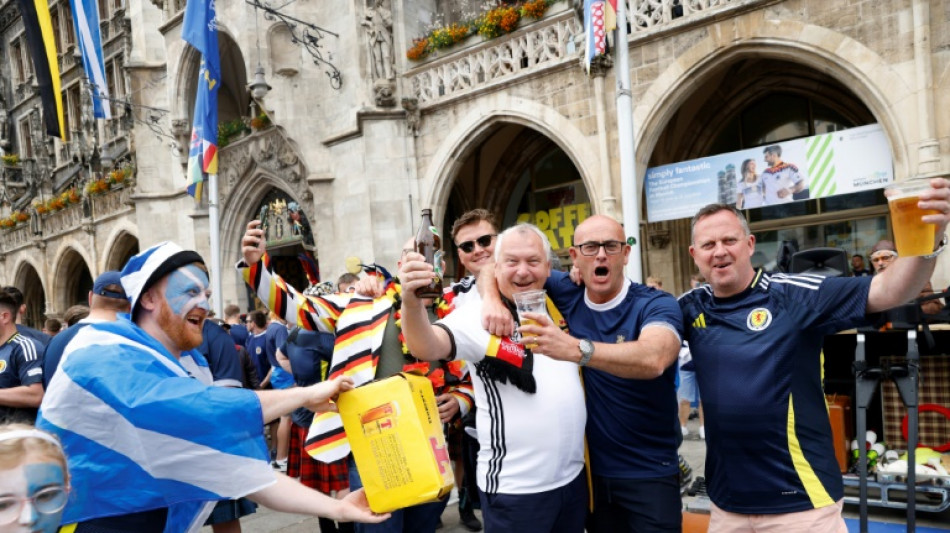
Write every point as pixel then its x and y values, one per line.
pixel 626 336
pixel 21 368
pixel 756 340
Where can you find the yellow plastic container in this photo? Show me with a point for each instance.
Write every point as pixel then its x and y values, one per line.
pixel 394 431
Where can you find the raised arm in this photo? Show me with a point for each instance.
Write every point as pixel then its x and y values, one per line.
pixel 496 318
pixel 425 341
pixel 903 279
pixel 310 312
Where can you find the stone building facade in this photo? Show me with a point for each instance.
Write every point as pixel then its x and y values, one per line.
pixel 515 124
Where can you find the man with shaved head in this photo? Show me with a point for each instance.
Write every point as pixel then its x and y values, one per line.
pixel 626 337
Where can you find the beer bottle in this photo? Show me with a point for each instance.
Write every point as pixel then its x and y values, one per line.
pixel 429 245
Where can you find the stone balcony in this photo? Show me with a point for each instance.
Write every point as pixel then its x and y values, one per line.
pixel 74 218
pixel 550 43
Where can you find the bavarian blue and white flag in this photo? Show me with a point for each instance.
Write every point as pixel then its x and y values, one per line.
pixel 140 433
pixel 86 19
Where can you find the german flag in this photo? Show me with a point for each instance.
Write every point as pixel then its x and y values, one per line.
pixel 42 44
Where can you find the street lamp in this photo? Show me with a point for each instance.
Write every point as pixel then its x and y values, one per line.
pixel 259 87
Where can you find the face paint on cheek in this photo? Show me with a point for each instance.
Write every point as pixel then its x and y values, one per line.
pixel 187 289
pixel 41 476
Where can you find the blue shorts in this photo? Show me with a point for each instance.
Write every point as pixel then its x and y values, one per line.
pixel 688 389
pixel 281 379
pixel 562 510
pixel 652 504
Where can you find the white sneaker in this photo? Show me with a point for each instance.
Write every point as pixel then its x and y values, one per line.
pixel 280 465
pixel 684 430
pixel 702 432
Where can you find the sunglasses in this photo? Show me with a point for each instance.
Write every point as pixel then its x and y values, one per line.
pixel 50 500
pixel 469 246
pixel 883 256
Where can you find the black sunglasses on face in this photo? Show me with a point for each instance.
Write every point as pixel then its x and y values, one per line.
pixel 469 246
pixel 593 247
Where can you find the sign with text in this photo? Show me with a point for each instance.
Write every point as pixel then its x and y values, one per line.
pixel 558 223
pixel 841 162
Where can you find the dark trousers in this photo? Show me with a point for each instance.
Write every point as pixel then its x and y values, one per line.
pixel 636 505
pixel 561 510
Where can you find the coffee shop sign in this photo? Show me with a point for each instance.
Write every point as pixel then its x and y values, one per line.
pixel 558 223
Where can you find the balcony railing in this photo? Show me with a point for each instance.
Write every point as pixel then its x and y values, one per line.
pixel 547 44
pixel 71 219
pixel 540 46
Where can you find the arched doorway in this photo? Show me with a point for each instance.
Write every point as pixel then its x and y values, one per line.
pixel 72 280
pixel 750 101
pixel 520 175
pixel 34 296
pixel 123 248
pixel 289 240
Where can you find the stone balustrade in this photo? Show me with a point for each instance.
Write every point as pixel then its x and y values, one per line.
pixel 546 44
pixel 71 219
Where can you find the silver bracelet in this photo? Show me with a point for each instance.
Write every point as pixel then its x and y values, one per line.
pixel 939 250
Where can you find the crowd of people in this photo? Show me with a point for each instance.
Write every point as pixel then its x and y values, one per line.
pixel 150 415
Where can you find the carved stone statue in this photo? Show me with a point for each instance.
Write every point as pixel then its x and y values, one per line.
pixel 4 129
pixel 379 30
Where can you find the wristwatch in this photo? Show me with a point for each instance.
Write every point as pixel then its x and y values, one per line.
pixel 587 350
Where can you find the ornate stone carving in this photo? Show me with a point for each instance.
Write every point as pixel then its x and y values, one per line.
pixel 599 65
pixel 383 93
pixel 413 116
pixel 379 38
pixel 268 149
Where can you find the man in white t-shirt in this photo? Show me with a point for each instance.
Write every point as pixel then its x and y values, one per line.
pixel 530 408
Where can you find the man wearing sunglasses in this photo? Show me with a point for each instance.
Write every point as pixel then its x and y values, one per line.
pixel 626 336
pixel 882 255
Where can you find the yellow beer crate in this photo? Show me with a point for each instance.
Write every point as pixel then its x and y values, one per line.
pixel 394 431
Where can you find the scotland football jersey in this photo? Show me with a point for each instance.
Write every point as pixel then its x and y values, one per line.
pixel 21 364
pixel 758 364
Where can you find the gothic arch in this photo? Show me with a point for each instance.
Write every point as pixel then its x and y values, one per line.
pixel 840 57
pixel 469 132
pixel 122 244
pixel 71 277
pixel 232 94
pixel 249 169
pixel 27 278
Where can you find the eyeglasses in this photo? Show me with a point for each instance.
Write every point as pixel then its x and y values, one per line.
pixel 883 255
pixel 593 247
pixel 50 500
pixel 469 246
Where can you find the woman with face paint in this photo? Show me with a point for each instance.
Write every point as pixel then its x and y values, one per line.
pixel 33 480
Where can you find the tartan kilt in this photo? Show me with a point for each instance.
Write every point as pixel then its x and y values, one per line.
pixel 324 477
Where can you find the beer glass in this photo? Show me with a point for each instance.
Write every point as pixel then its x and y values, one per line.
pixel 911 236
pixel 529 302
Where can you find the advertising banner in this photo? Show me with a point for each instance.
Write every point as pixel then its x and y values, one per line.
pixel 841 162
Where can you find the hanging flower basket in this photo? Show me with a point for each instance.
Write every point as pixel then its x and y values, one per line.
pixel 7 223
pixel 20 216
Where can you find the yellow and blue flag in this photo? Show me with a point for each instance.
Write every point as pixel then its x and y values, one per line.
pixel 86 20
pixel 200 30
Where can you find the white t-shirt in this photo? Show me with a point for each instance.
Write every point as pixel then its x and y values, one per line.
pixel 530 443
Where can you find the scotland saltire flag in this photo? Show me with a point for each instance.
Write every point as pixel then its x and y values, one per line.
pixel 200 30
pixel 86 19
pixel 140 433
pixel 600 16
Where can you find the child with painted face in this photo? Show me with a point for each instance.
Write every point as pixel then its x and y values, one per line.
pixel 33 480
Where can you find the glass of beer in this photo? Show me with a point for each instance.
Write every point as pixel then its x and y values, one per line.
pixel 529 302
pixel 911 236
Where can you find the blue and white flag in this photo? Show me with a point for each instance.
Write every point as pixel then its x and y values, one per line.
pixel 141 434
pixel 200 30
pixel 86 19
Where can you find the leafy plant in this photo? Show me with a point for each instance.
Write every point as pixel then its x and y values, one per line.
pixel 10 159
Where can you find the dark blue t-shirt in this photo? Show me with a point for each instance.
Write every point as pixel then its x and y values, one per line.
pixel 239 334
pixel 257 350
pixel 309 352
pixel 21 363
pixel 223 361
pixel 759 369
pixel 632 424
pixel 33 333
pixel 55 348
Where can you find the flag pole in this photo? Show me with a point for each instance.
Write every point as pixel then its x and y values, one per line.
pixel 628 170
pixel 214 221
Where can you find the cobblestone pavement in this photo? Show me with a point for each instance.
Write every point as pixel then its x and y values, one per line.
pixel 693 449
